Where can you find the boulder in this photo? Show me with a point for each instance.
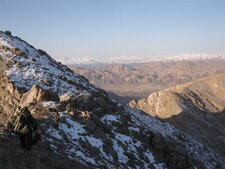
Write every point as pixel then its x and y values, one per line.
pixel 67 97
pixel 91 126
pixel 37 94
pixel 84 102
pixel 81 102
pixel 157 142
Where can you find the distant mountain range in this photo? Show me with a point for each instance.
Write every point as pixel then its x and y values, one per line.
pixel 194 57
pixel 78 61
pixel 112 60
pixel 140 79
pixel 138 59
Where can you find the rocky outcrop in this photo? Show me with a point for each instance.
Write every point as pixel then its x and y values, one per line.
pixel 37 94
pixel 162 104
pixel 9 98
pixel 97 125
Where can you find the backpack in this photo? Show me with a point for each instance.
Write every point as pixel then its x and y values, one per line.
pixel 21 123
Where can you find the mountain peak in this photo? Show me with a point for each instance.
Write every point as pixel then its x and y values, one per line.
pixel 193 57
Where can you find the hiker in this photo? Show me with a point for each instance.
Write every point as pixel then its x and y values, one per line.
pixel 24 125
pixel 12 120
pixel 56 119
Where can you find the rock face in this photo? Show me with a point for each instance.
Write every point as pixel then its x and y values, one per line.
pixel 9 98
pixel 94 131
pixel 161 104
pixel 197 108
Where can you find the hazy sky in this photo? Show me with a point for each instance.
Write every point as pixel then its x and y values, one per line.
pixel 105 28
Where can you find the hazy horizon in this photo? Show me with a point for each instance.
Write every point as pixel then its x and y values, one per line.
pixel 101 29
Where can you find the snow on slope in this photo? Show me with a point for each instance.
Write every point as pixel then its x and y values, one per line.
pixel 73 135
pixel 92 151
pixel 36 67
pixel 128 59
pixel 199 151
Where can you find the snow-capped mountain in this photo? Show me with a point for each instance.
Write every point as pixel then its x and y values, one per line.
pixel 94 130
pixel 78 61
pixel 139 59
pixel 193 57
pixel 111 60
pixel 128 59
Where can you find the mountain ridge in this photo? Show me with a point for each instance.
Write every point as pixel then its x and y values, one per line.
pixel 94 130
pixel 195 105
pixel 196 57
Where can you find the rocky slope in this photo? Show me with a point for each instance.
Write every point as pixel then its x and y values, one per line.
pixel 197 108
pixel 140 79
pixel 94 131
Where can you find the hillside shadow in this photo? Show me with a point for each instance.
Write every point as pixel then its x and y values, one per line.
pixel 124 100
pixel 205 127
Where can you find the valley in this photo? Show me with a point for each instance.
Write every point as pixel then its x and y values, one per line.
pixel 138 80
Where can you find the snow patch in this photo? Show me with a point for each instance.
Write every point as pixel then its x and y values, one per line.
pixel 49 104
pixel 54 133
pixel 120 152
pixel 73 129
pixel 134 129
pixel 108 119
pixel 155 125
pixel 152 160
pixel 97 143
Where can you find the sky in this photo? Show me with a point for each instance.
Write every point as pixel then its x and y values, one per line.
pixel 109 28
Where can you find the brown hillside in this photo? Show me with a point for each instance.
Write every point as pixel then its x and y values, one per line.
pixel 197 108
